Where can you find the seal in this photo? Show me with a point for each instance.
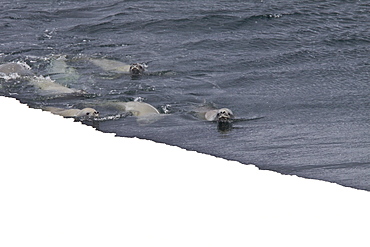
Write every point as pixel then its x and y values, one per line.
pixel 119 67
pixel 47 86
pixel 223 116
pixel 44 85
pixel 85 113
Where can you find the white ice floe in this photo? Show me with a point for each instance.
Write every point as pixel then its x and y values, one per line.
pixel 65 184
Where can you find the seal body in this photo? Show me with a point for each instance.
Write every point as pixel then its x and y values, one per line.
pixel 47 86
pixel 144 112
pixel 138 109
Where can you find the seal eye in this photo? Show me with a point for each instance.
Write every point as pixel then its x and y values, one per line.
pixel 87 113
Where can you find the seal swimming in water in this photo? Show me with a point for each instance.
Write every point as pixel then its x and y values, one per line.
pixel 85 113
pixel 223 116
pixel 47 86
pixel 119 67
pixel 44 85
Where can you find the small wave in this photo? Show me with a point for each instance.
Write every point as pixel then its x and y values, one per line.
pixel 15 70
pixel 111 117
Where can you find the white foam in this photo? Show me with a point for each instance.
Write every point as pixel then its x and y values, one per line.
pixel 24 65
pixel 11 76
pixel 66 184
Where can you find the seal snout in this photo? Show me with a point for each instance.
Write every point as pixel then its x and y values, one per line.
pixel 224 115
pixel 135 71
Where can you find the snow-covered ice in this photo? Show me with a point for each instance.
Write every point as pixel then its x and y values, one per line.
pixel 66 184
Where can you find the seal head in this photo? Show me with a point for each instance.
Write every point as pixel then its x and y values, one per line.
pixel 224 119
pixel 87 113
pixel 224 115
pixel 137 69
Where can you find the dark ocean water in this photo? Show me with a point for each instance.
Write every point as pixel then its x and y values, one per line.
pixel 298 70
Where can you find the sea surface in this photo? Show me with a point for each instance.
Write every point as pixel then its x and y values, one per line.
pixel 296 74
